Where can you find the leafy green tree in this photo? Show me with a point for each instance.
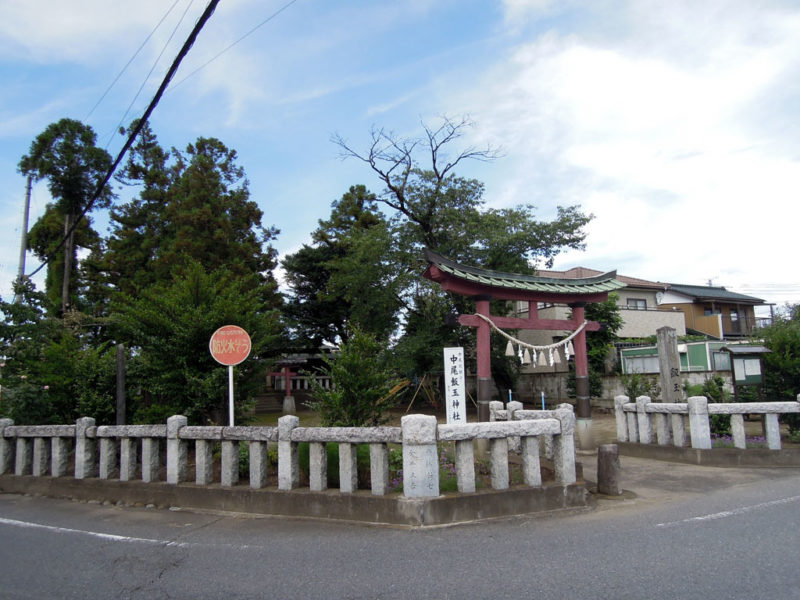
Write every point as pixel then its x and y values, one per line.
pixel 169 326
pixel 345 279
pixel 192 205
pixel 430 206
pixel 362 383
pixel 599 343
pixel 50 374
pixel 65 154
pixel 782 364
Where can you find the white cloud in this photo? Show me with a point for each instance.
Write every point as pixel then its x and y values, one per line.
pixel 659 132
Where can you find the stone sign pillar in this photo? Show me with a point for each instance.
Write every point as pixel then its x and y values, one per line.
pixel 669 363
pixel 420 458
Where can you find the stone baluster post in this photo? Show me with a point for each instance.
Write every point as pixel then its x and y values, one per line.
pixel 465 466
pixel 564 446
pixel 531 468
pixel 498 461
pixel 348 468
pixel 258 464
pixel 59 456
pixel 619 415
pixel 773 431
pixel 514 444
pixel 176 450
pixel 41 456
pixel 699 428
pixel 288 460
pixel 85 449
pixel 633 426
pixel 203 462
pixel 317 466
pixel 6 447
pixel 494 408
pixel 109 451
pixel 127 458
pixel 420 458
pixel 229 472
pixel 23 462
pixel 644 419
pixel 737 431
pixel 150 459
pixel 379 468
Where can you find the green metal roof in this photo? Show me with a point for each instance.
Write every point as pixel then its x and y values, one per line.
pixel 704 292
pixel 605 282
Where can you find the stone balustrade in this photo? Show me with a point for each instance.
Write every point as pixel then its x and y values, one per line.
pixel 647 422
pixel 130 452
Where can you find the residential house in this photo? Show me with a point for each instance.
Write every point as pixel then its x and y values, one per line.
pixel 712 311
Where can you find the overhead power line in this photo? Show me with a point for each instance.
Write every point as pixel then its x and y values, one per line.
pixel 212 5
pixel 128 64
pixel 223 51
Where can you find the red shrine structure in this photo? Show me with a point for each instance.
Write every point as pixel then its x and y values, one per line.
pixel 484 285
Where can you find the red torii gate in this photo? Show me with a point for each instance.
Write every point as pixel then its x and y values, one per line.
pixel 484 285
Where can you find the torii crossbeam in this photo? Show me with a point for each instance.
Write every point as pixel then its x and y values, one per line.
pixel 484 285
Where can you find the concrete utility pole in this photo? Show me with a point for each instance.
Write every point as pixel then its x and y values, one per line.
pixel 23 245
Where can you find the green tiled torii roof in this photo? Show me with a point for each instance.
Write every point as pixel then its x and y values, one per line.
pixel 606 282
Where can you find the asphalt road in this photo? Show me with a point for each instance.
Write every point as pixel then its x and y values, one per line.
pixel 741 541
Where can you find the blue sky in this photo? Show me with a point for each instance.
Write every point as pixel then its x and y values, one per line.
pixel 674 123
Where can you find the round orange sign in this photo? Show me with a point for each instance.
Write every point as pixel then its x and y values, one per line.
pixel 230 345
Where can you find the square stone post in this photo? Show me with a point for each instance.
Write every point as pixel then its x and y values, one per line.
pixel 176 450
pixel 6 447
pixel 203 462
pixel 494 407
pixel 288 460
pixel 23 460
pixel 644 420
pixel 348 468
pixel 85 449
pixel 633 427
pixel 699 427
pixel 564 446
pixel 229 475
pixel 127 459
pixel 317 466
pixel 258 464
pixel 737 431
pixel 678 423
pixel 773 431
pixel 498 460
pixel 420 457
pixel 41 456
pixel 661 425
pixel 619 415
pixel 59 456
pixel 379 468
pixel 465 466
pixel 531 468
pixel 150 459
pixel 109 450
pixel 514 444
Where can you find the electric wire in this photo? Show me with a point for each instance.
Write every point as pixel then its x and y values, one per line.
pixel 147 78
pixel 190 40
pixel 221 52
pixel 128 64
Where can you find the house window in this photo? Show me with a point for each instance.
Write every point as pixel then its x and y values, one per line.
pixel 721 360
pixel 734 315
pixel 710 310
pixel 637 304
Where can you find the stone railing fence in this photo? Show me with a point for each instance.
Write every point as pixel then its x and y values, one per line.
pixel 130 452
pixel 649 422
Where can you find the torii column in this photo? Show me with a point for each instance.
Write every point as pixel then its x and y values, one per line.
pixel 583 406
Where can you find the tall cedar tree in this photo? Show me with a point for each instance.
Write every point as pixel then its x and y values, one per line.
pixel 66 156
pixel 193 205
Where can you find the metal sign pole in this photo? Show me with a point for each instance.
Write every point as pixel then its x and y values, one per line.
pixel 230 394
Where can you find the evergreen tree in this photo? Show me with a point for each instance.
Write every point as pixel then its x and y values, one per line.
pixel 65 154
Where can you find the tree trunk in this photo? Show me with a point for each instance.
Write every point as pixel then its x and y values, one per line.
pixel 69 247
